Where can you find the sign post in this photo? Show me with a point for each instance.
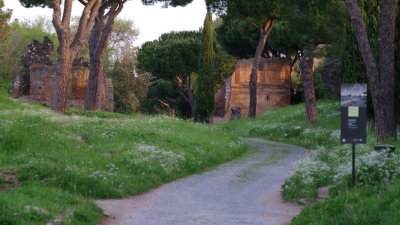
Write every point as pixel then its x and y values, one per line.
pixel 353 117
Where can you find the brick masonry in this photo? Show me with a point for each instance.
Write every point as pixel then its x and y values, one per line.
pixel 38 82
pixel 273 88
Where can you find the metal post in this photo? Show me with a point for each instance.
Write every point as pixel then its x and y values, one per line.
pixel 354 165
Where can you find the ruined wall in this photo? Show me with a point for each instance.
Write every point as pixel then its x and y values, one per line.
pixel 273 88
pixel 38 79
pixel 42 82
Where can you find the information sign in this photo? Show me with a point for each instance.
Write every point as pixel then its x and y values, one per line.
pixel 354 113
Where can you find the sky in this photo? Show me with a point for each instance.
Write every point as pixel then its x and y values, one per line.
pixel 353 89
pixel 152 21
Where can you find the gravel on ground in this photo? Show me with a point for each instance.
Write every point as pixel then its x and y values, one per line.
pixel 245 191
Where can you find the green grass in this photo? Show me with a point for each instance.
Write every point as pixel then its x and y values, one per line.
pixel 254 170
pixel 66 161
pixel 368 205
pixel 375 197
pixel 97 155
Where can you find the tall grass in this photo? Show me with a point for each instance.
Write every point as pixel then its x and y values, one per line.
pixel 98 155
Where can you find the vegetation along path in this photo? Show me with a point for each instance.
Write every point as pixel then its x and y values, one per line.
pixel 245 191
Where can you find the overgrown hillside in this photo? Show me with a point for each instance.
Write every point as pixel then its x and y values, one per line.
pixel 52 166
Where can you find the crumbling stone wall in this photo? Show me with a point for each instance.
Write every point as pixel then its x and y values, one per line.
pixel 42 86
pixel 38 81
pixel 38 54
pixel 273 88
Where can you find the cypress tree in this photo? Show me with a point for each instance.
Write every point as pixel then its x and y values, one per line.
pixel 205 82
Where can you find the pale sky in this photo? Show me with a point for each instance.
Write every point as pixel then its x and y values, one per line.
pixel 152 20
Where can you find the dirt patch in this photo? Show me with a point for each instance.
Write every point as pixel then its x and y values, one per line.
pixel 8 180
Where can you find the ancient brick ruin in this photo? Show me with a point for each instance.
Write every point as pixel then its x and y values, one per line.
pixel 273 88
pixel 37 83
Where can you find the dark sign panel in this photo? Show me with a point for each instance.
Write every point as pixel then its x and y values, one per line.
pixel 354 113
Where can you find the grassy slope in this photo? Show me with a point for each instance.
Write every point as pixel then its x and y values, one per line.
pixel 64 161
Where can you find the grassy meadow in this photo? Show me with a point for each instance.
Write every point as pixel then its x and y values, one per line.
pixel 60 163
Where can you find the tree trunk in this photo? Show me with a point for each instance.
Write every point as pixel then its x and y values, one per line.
pixel 380 77
pixel 67 52
pixel 264 32
pixel 306 68
pixel 98 42
pixel 60 90
pixel 186 91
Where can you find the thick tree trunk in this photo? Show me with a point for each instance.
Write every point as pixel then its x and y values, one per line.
pixel 98 42
pixel 60 90
pixel 67 52
pixel 264 32
pixel 306 68
pixel 380 78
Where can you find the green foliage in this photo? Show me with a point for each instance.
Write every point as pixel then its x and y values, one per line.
pixel 19 35
pixel 285 39
pixel 238 37
pixel 164 91
pixel 320 92
pixel 316 22
pixel 367 205
pixel 205 91
pixel 374 200
pixel 36 3
pixel 49 202
pixel 174 57
pixel 63 161
pixel 224 63
pixel 5 16
pixel 5 74
pixel 25 31
pixel 174 53
pixel 256 12
pixel 129 89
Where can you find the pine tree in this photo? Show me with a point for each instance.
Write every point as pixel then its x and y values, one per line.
pixel 205 82
pixel 351 62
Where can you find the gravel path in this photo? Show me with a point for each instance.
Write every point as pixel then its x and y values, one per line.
pixel 245 191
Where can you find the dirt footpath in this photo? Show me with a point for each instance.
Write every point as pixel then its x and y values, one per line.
pixel 241 192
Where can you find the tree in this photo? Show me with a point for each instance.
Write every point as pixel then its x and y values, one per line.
pixel 315 23
pixel 5 16
pixel 206 78
pixel 98 42
pixel 351 62
pixel 380 72
pixel 174 57
pixel 68 51
pixel 163 98
pixel 129 88
pixel 262 15
pixel 121 43
pixel 238 37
